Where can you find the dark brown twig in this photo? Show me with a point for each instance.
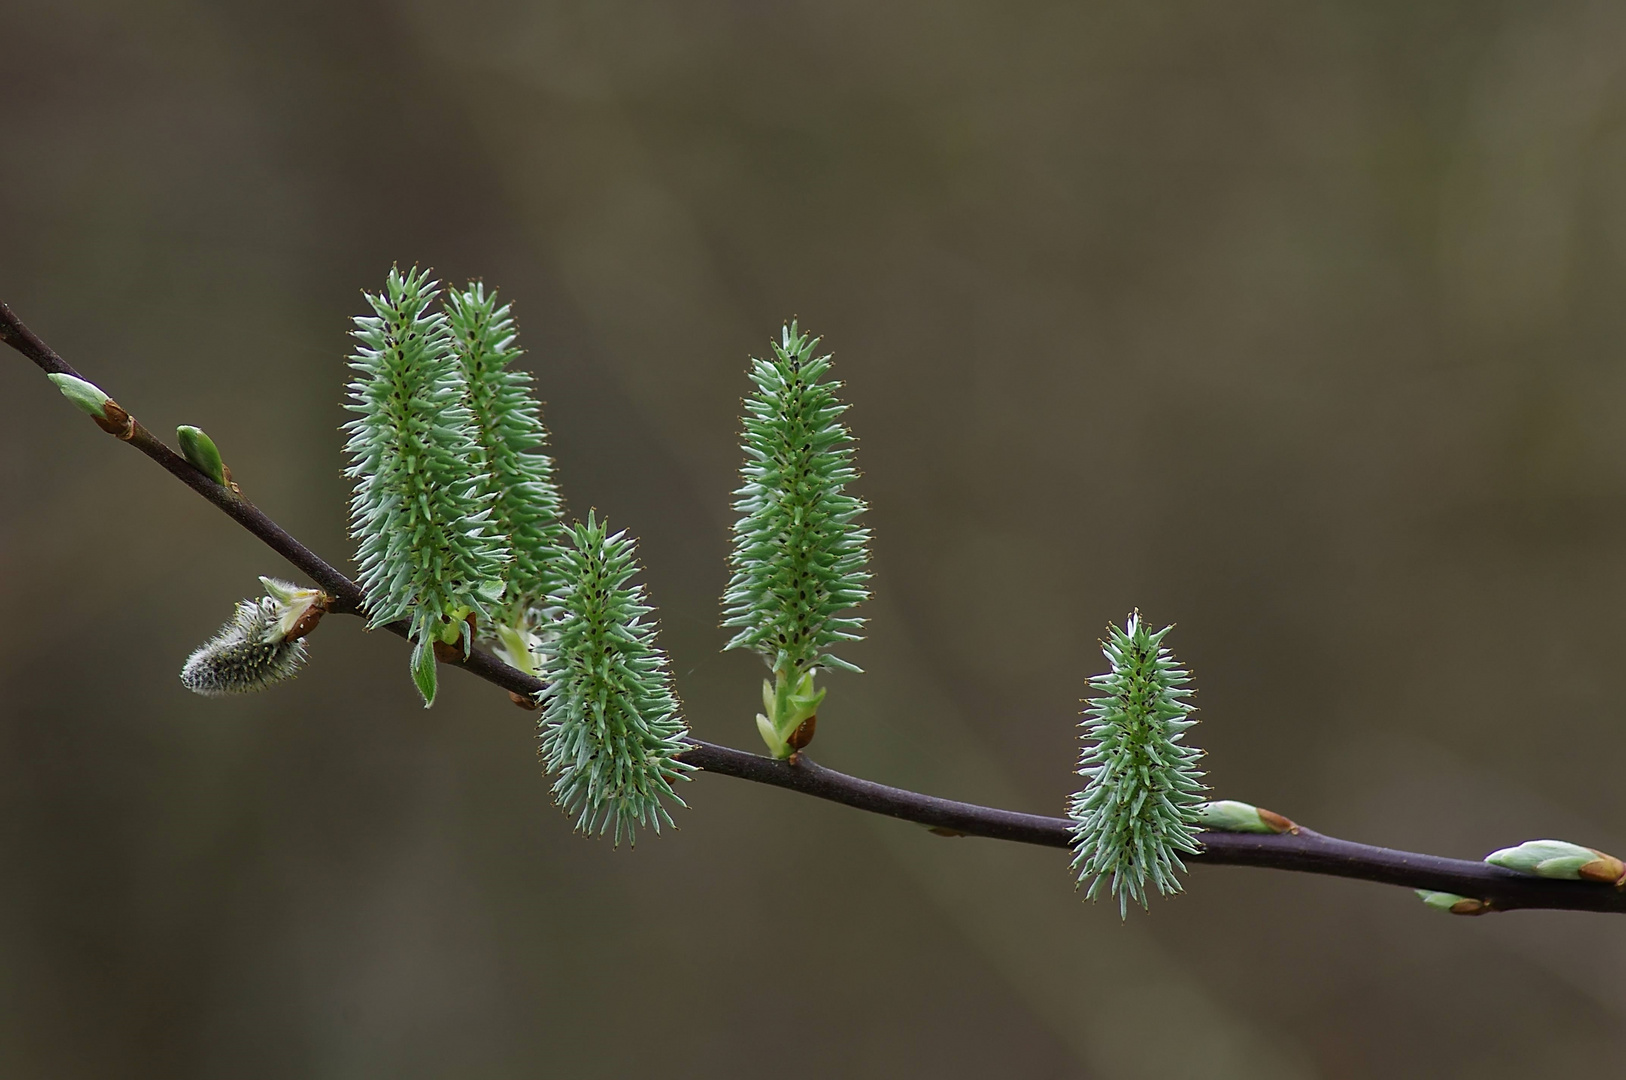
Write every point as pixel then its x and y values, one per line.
pixel 1303 850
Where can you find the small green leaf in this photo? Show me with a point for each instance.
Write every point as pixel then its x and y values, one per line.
pixel 776 745
pixel 200 450
pixel 423 671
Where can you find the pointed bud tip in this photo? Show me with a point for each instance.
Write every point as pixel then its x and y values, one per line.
pixel 90 400
pixel 87 396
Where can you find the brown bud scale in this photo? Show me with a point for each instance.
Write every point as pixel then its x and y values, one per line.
pixel 1276 822
pixel 313 615
pixel 1605 868
pixel 803 733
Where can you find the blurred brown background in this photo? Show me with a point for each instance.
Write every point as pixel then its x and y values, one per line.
pixel 1298 324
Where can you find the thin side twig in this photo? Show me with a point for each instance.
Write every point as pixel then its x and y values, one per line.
pixel 1303 850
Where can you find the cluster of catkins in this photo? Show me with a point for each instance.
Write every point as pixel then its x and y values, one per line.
pixel 460 534
pixel 461 537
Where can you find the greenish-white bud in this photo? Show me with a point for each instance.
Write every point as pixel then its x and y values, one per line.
pixel 1560 859
pixel 1453 903
pixel 200 450
pixel 518 645
pixel 1229 815
pixel 87 396
pixel 298 609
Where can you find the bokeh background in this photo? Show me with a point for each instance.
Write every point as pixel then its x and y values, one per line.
pixel 1297 324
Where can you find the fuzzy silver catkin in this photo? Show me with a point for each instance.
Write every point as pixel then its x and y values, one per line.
pixel 249 653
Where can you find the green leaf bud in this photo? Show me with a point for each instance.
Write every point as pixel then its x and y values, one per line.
pixel 1228 815
pixel 86 396
pixel 1560 859
pixel 200 450
pixel 1452 903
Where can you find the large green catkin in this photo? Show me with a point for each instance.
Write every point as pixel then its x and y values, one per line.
pixel 518 476
pixel 420 509
pixel 610 725
pixel 799 558
pixel 1140 808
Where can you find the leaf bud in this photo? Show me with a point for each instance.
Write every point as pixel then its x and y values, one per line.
pixel 89 399
pixel 200 450
pixel 86 396
pixel 1228 815
pixel 1454 904
pixel 1560 859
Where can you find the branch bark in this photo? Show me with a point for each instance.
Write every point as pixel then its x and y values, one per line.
pixel 1304 851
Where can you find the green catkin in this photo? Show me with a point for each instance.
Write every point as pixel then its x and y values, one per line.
pixel 518 476
pixel 799 561
pixel 1140 808
pixel 610 725
pixel 426 550
pixel 799 558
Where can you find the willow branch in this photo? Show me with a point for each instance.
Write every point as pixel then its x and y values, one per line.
pixel 1302 850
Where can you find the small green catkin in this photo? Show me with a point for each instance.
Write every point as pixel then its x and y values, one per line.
pixel 610 725
pixel 1140 808
pixel 518 476
pixel 253 651
pixel 426 550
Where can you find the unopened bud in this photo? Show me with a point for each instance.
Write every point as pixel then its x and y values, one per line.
pixel 107 413
pixel 200 450
pixel 803 734
pixel 1452 903
pixel 87 396
pixel 1228 815
pixel 1560 859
